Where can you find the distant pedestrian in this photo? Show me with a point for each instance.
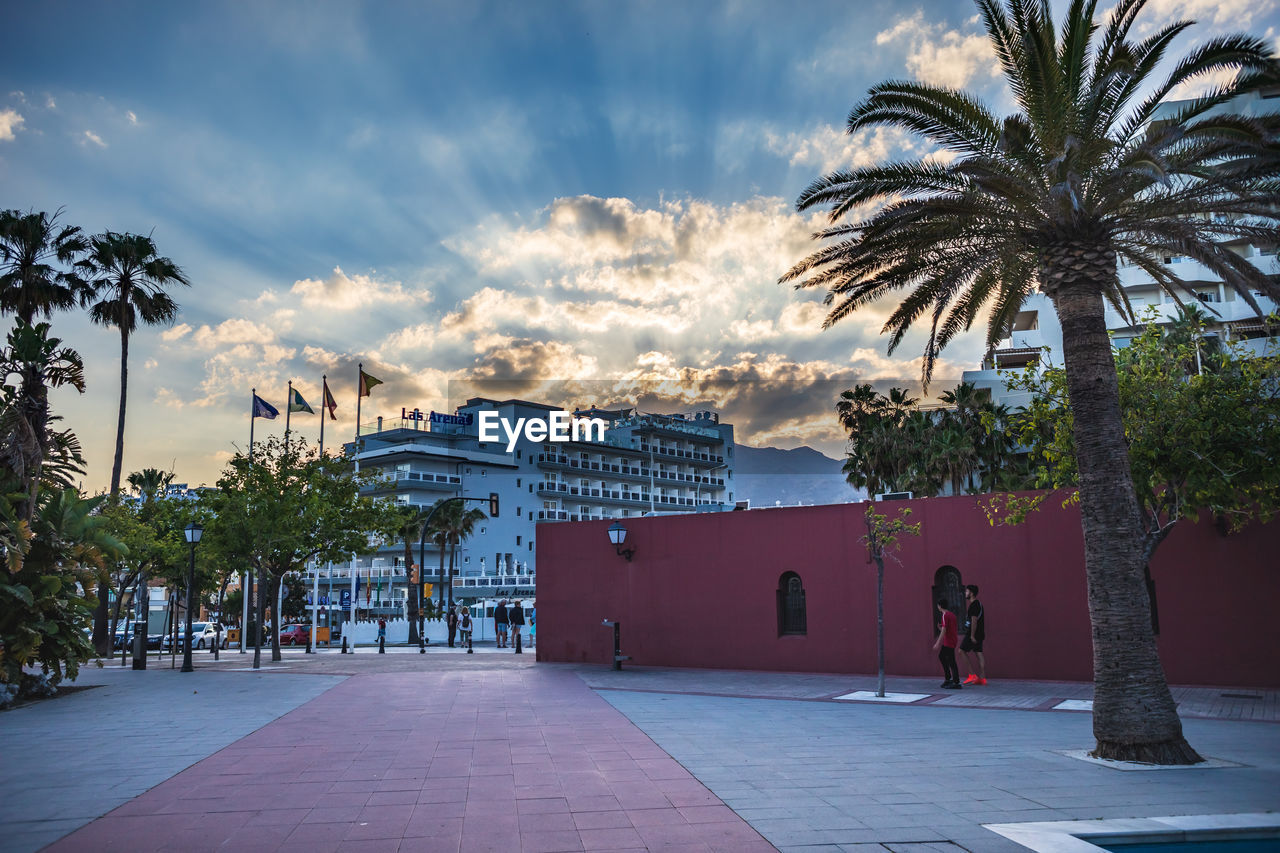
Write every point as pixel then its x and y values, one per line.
pixel 500 622
pixel 516 616
pixel 382 628
pixel 945 646
pixel 975 631
pixel 533 626
pixel 464 626
pixel 451 622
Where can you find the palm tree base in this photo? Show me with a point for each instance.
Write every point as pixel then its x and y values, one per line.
pixel 1170 752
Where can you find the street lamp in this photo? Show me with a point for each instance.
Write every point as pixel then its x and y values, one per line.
pixel 618 536
pixel 193 533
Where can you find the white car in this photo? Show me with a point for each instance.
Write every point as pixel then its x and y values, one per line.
pixel 203 635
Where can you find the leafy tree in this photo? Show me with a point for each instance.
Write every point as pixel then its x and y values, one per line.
pixel 1051 197
pixel 1199 419
pixel 882 537
pixel 127 281
pixel 287 508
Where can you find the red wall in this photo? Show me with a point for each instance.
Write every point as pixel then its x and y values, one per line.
pixel 700 592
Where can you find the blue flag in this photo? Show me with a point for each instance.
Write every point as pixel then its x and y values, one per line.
pixel 263 409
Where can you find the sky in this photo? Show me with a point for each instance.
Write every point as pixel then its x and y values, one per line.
pixel 596 196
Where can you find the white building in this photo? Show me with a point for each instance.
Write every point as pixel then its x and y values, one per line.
pixel 645 463
pixel 1036 324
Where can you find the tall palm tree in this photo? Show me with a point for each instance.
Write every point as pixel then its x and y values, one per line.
pixel 451 525
pixel 128 286
pixel 1081 175
pixel 37 264
pixel 412 519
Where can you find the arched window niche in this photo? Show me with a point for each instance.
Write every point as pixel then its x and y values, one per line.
pixel 791 610
pixel 948 586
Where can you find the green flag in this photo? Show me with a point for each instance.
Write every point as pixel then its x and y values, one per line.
pixel 297 404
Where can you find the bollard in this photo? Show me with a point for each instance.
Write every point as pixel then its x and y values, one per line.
pixel 470 650
pixel 518 632
pixel 422 644
pixel 618 656
pixel 382 645
pixel 344 644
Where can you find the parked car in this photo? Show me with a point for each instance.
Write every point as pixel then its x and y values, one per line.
pixel 294 635
pixel 203 635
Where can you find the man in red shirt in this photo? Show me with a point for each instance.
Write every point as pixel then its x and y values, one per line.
pixel 945 645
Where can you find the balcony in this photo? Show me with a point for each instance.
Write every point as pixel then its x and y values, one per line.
pixel 633 472
pixel 413 479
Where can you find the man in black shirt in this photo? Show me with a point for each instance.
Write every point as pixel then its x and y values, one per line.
pixel 975 631
pixel 500 623
pixel 515 614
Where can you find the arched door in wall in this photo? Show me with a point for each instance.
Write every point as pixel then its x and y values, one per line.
pixel 792 618
pixel 948 587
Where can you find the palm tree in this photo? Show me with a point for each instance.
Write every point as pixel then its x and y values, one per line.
pixel 129 281
pixel 30 246
pixel 1051 197
pixel 149 482
pixel 411 530
pixel 451 525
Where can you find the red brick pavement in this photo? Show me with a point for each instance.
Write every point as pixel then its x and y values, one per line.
pixel 527 760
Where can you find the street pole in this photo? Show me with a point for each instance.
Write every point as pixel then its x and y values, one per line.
pixel 191 582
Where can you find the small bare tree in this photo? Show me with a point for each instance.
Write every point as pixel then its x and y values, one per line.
pixel 882 536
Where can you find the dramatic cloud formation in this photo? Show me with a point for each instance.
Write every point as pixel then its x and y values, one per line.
pixel 942 56
pixel 342 292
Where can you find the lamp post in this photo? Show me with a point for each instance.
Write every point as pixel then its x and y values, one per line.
pixel 618 537
pixel 193 533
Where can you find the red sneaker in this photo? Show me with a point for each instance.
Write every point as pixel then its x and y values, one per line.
pixel 980 681
pixel 972 679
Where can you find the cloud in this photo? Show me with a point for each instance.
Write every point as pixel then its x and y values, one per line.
pixel 344 292
pixel 90 136
pixel 131 116
pixel 826 148
pixel 175 333
pixel 1234 15
pixel 10 121
pixel 941 56
pixel 232 332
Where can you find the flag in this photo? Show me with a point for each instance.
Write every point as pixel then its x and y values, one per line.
pixel 366 383
pixel 358 584
pixel 297 404
pixel 263 409
pixel 329 403
pixel 368 588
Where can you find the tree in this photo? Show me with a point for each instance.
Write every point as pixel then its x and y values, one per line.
pixel 1051 197
pixel 412 518
pixel 127 285
pixel 451 524
pixel 882 537
pixel 1200 423
pixel 149 483
pixel 38 260
pixel 288 508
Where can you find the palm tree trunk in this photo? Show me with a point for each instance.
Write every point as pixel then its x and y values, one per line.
pixel 276 621
pixel 1134 715
pixel 118 463
pixel 413 597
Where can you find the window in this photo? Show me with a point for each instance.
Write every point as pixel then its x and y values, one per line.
pixel 517 481
pixel 517 512
pixel 518 540
pixel 791 609
pixel 468 470
pixel 484 473
pixel 482 531
pixel 530 544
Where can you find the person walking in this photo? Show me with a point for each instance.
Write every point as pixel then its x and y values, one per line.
pixel 945 646
pixel 500 623
pixel 975 628
pixel 533 626
pixel 464 626
pixel 516 616
pixel 451 623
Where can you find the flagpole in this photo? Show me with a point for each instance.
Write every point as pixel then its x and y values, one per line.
pixel 245 583
pixel 324 390
pixel 359 376
pixel 288 410
pixel 252 417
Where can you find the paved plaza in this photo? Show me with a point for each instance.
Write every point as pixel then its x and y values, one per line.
pixel 446 751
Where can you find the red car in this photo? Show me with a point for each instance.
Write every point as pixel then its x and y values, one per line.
pixel 294 635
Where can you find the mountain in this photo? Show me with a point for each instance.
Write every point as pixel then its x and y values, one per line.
pixel 767 475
